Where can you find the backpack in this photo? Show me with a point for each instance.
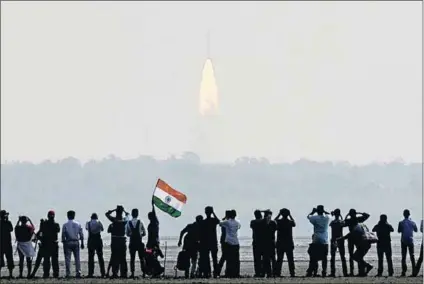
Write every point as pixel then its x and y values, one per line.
pixel 371 237
pixel 183 261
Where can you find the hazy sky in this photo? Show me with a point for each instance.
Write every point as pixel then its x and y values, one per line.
pixel 336 81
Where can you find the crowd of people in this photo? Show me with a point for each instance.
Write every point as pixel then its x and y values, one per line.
pixel 272 241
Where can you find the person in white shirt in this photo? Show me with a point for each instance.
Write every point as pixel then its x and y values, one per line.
pixel 135 231
pixel 95 245
pixel 320 242
pixel 71 235
pixel 232 226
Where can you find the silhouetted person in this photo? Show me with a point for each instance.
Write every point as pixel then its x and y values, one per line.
pixel 223 258
pixel 269 229
pixel 95 245
pixel 49 246
pixel 407 227
pixel 285 243
pixel 71 235
pixel 24 233
pixel 208 244
pixel 384 245
pixel 320 223
pixel 336 243
pixel 40 252
pixel 357 238
pixel 420 259
pixel 135 231
pixel 311 253
pixel 232 244
pixel 257 242
pixel 118 244
pixel 152 229
pixel 191 244
pixel 6 249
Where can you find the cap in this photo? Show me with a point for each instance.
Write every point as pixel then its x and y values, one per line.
pixel 51 212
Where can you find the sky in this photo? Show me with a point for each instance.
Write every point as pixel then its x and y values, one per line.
pixel 317 80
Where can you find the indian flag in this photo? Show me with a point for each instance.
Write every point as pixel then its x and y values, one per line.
pixel 168 199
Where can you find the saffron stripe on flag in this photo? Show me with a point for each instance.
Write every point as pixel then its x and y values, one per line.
pixel 165 187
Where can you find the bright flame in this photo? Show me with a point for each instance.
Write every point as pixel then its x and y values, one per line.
pixel 208 101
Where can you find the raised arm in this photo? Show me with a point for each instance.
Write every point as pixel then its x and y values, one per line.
pixel 294 223
pixel 109 216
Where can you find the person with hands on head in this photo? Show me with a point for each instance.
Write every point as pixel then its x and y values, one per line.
pixel 118 242
pixel 24 233
pixel 336 233
pixel 285 243
pixel 320 221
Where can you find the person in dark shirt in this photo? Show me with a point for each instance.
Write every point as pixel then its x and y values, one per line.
pixel 256 225
pixel 191 244
pixel 269 229
pixel 285 243
pixel 24 233
pixel 118 242
pixel 49 246
pixel 336 233
pixel 351 223
pixel 356 236
pixel 153 229
pixel 384 246
pixel 224 255
pixel 6 249
pixel 209 244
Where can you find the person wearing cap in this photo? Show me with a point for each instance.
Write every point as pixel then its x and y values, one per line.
pixel 49 247
pixel 6 249
pixel 407 227
pixel 285 243
pixel 336 233
pixel 95 245
pixel 72 234
pixel 269 229
pixel 320 221
pixel 24 234
pixel 384 245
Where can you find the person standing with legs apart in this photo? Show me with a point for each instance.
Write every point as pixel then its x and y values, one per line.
pixel 232 244
pixel 320 223
pixel 336 233
pixel 135 231
pixel 71 235
pixel 209 244
pixel 6 249
pixel 420 259
pixel 285 243
pixel 95 245
pixel 118 242
pixel 257 225
pixel 24 233
pixel 384 245
pixel 191 244
pixel 407 227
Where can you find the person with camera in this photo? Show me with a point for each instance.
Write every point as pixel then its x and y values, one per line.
pixel 72 234
pixel 209 244
pixel 95 245
pixel 285 243
pixel 232 226
pixel 320 221
pixel 384 245
pixel 224 256
pixel 135 231
pixel 118 242
pixel 336 243
pixel 6 228
pixel 24 234
pixel 48 247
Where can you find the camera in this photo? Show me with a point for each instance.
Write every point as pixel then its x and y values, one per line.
pixel 332 213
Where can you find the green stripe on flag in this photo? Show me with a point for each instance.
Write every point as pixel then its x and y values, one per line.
pixel 166 208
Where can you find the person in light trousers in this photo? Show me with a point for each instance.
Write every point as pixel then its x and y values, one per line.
pixel 72 235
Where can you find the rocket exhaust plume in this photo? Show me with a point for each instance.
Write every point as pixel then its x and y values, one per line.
pixel 208 100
